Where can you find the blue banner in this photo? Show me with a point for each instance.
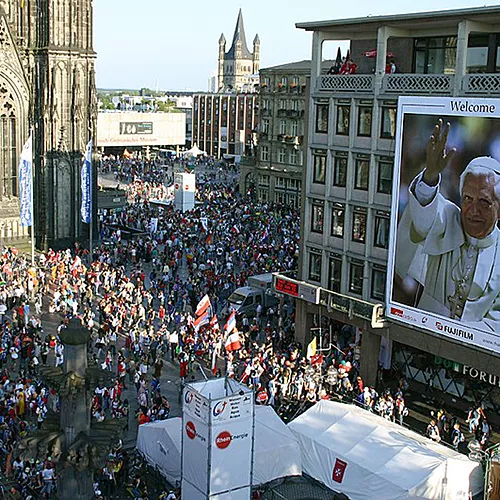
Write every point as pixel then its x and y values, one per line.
pixel 26 184
pixel 86 183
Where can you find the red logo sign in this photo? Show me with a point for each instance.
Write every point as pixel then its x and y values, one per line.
pixel 223 440
pixel 396 312
pixel 186 187
pixel 288 287
pixel 190 430
pixel 339 470
pixel 176 186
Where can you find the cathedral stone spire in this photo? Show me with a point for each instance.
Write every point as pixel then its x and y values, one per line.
pixel 239 39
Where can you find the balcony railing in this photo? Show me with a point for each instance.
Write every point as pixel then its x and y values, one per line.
pixel 347 83
pixel 417 84
pixel 481 84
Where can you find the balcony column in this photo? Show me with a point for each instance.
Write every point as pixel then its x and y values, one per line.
pixel 317 53
pixel 461 61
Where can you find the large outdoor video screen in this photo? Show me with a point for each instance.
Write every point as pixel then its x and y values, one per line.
pixel 444 256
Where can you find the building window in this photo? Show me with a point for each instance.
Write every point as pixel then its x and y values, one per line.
pixel 381 235
pixel 282 104
pixel 322 118
pixel 293 157
pixel 365 121
pixel 265 126
pixel 340 171
pixel 295 128
pixel 378 283
pixel 359 225
pixel 280 182
pixel 356 277
pixel 263 180
pixel 263 195
pixel 384 181
pixel 483 53
pixel 362 174
pixel 319 167
pixel 338 217
pixel 343 117
pixel 264 153
pixel 388 124
pixel 335 273
pixel 317 217
pixel 435 55
pixel 315 262
pixel 8 150
pixel 282 127
pixel 281 156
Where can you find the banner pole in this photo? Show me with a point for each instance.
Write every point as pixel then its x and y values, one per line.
pixel 32 203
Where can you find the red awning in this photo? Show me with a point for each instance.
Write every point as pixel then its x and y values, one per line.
pixel 373 53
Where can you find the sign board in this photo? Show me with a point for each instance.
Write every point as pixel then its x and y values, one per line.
pixel 443 270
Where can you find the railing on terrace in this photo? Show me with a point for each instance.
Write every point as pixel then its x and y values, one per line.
pixel 347 83
pixel 481 84
pixel 417 84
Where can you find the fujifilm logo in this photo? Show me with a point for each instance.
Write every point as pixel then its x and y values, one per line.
pixel 471 107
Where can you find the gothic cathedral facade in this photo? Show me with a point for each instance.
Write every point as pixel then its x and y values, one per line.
pixel 238 64
pixel 47 88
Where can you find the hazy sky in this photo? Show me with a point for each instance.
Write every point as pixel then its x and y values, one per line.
pixel 173 45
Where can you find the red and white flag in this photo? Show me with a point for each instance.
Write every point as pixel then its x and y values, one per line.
pixel 233 342
pixel 204 319
pixel 339 470
pixel 203 306
pixel 231 323
pixel 214 323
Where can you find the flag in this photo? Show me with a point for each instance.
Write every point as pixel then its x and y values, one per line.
pixel 201 320
pixel 23 3
pixel 203 306
pixel 231 323
pixel 233 342
pixel 26 184
pixel 86 179
pixel 339 470
pixel 311 349
pixel 208 241
pixel 127 155
pixel 214 323
pixel 204 223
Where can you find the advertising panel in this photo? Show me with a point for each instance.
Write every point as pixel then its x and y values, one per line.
pixel 129 128
pixel 194 452
pixel 184 191
pixel 444 260
pixel 231 463
pixel 223 137
pixel 232 408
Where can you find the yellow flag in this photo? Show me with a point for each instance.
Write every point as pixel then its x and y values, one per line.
pixel 311 349
pixel 23 3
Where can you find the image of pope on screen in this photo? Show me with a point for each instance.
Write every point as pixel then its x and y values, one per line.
pixel 447 258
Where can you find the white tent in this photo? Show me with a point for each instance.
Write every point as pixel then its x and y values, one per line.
pixel 370 457
pixel 194 151
pixel 277 452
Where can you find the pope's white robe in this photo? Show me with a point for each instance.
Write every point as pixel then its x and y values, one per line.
pixel 430 241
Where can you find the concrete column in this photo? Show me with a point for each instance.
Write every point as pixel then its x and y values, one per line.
pixel 370 349
pixel 303 322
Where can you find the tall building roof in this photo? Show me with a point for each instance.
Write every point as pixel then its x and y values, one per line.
pixel 239 36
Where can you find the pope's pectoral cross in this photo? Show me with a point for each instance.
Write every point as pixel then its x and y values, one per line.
pixel 457 303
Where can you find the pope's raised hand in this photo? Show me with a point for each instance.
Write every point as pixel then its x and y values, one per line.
pixel 437 156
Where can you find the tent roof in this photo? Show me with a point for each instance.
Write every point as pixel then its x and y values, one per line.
pixel 194 151
pixel 380 448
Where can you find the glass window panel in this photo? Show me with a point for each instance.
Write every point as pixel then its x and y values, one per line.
pixel 334 274
pixel 365 121
pixel 356 278
pixel 388 125
pixel 359 226
pixel 317 217
pixel 384 182
pixel 378 284
pixel 340 171
pixel 322 118
pixel 315 262
pixel 362 174
pixel 381 236
pixel 319 169
pixel 343 117
pixel 338 218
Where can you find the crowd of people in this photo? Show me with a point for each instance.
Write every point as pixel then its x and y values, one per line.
pixel 138 298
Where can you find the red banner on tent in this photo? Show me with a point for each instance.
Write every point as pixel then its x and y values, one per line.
pixel 339 470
